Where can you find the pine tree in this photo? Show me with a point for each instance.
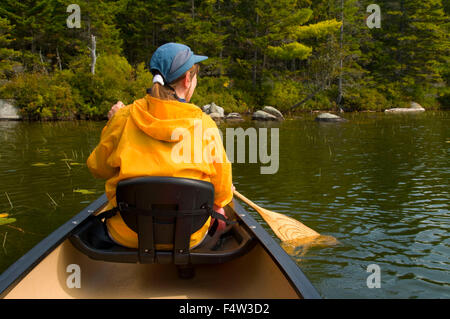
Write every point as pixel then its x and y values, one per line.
pixel 413 47
pixel 143 27
pixel 200 25
pixel 29 18
pixel 7 56
pixel 270 33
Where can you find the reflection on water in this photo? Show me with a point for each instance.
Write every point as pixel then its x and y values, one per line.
pixel 378 183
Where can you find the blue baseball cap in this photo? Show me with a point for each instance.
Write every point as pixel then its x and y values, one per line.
pixel 172 60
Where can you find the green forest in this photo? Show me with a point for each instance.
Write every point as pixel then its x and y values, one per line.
pixel 295 55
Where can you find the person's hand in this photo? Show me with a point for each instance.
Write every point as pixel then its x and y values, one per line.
pixel 222 224
pixel 115 108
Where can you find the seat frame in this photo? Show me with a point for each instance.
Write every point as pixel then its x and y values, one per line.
pixel 141 204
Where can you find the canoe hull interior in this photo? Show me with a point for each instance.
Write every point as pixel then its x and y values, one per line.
pixel 253 275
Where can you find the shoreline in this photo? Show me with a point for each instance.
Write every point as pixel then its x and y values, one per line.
pixel 244 115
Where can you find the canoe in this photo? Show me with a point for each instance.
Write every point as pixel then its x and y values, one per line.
pixel 265 271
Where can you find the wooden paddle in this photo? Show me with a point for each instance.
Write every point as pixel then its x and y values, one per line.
pixel 286 228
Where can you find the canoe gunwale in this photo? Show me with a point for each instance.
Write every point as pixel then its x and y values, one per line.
pixel 18 270
pixel 24 265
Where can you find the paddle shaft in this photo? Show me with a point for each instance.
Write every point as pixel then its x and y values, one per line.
pixel 246 200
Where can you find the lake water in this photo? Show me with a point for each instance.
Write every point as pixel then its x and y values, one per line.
pixel 378 183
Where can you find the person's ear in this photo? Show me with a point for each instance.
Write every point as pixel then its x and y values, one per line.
pixel 187 80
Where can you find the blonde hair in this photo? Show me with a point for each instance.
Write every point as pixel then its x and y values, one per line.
pixel 167 91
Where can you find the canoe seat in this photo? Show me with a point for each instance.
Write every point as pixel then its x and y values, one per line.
pixel 164 212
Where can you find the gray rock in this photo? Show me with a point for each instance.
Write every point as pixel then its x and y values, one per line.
pixel 216 116
pixel 234 117
pixel 273 111
pixel 217 109
pixel 264 116
pixel 328 117
pixel 415 105
pixel 206 108
pixel 213 108
pixel 8 110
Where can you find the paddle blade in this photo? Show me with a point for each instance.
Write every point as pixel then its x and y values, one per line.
pixel 317 241
pixel 287 228
pixel 301 246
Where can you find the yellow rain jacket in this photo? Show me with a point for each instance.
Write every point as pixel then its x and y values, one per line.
pixel 137 141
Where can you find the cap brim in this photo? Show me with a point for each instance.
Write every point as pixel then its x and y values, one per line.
pixel 199 58
pixel 192 60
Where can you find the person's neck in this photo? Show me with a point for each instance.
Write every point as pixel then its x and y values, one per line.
pixel 181 93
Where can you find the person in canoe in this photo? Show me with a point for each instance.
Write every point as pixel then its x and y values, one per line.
pixel 146 137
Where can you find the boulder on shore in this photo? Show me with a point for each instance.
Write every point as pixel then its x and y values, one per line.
pixel 213 108
pixel 414 107
pixel 263 116
pixel 273 111
pixel 235 117
pixel 216 116
pixel 328 117
pixel 206 108
pixel 8 111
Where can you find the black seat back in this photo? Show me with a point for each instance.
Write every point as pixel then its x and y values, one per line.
pixel 164 211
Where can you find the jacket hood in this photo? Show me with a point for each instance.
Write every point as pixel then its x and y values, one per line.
pixel 159 118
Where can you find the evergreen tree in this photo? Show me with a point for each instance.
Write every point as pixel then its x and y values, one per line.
pixel 270 33
pixel 200 25
pixel 7 56
pixel 413 47
pixel 142 27
pixel 29 19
